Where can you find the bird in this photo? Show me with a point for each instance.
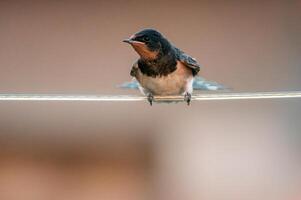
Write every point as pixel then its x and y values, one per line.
pixel 162 69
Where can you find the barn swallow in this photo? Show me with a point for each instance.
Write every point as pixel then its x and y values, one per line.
pixel 162 68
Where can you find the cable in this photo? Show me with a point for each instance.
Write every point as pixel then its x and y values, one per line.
pixel 195 97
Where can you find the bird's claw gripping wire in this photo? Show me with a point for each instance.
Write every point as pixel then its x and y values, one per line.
pixel 187 98
pixel 150 98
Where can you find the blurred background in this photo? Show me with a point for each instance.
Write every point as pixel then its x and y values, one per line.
pixel 217 150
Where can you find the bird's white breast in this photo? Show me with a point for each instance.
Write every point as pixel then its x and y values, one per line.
pixel 176 83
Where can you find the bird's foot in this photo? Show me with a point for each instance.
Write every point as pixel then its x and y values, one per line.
pixel 150 98
pixel 187 98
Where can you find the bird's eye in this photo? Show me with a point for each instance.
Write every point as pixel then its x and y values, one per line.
pixel 146 38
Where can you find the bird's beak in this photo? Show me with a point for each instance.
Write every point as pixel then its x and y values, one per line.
pixel 132 41
pixel 128 41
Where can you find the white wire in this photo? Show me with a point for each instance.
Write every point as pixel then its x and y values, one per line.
pixel 196 97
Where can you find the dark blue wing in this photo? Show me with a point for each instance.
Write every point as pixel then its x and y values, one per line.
pixel 188 61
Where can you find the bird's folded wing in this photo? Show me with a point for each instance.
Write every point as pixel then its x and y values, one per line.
pixel 188 61
pixel 134 69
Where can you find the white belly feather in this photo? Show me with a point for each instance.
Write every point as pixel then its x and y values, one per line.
pixel 176 83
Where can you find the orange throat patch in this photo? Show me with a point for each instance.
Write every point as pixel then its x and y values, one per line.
pixel 144 52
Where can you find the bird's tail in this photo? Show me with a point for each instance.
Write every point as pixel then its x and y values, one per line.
pixel 130 85
pixel 199 83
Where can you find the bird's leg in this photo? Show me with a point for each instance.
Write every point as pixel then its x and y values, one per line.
pixel 150 98
pixel 187 98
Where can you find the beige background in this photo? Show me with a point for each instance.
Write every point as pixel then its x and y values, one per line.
pixel 215 150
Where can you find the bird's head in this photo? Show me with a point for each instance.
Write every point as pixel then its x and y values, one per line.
pixel 149 44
